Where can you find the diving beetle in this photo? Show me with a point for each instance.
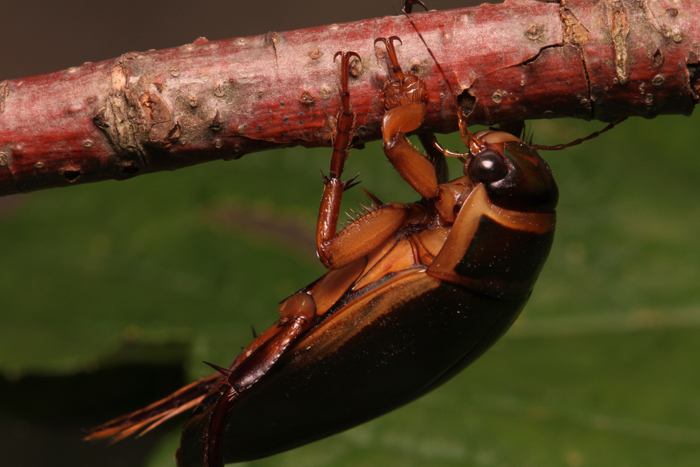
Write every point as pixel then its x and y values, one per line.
pixel 414 294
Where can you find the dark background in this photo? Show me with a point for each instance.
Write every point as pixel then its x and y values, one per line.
pixel 42 37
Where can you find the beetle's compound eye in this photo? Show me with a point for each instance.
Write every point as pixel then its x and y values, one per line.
pixel 486 167
pixel 515 178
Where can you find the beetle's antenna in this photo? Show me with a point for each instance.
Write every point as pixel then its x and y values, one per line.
pixel 406 11
pixel 471 142
pixel 576 142
pixel 529 133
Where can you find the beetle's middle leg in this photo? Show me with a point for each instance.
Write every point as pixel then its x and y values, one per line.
pixel 334 187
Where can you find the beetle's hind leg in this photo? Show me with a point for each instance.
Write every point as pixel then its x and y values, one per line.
pixel 298 315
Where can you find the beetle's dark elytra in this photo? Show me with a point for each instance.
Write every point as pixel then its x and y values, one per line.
pixel 385 350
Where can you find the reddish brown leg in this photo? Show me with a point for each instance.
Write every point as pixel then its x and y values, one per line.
pixel 298 315
pixel 300 311
pixel 405 112
pixel 362 236
pixel 155 414
pixel 334 187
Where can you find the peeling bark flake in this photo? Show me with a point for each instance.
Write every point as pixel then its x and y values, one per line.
pixel 272 39
pixel 159 118
pixel 215 124
pixel 121 120
pixel 618 20
pixel 658 58
pixel 119 76
pixel 4 92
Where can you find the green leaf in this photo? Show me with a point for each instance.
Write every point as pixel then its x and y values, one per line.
pixel 601 369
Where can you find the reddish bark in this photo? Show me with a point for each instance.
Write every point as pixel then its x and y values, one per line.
pixel 523 59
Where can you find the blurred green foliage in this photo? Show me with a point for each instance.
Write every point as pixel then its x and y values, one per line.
pixel 601 370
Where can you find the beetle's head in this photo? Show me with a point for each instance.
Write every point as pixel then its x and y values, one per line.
pixel 514 175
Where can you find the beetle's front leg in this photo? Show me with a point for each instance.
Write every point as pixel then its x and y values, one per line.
pixel 405 111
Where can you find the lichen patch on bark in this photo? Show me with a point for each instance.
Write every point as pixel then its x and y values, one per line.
pixel 122 122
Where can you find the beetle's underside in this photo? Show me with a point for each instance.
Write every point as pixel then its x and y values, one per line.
pixel 379 351
pixel 386 341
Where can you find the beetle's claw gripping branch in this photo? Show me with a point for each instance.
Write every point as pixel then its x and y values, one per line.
pixel 404 101
pixel 346 118
pixel 407 87
pixel 391 51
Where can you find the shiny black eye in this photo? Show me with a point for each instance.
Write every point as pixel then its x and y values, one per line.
pixel 488 166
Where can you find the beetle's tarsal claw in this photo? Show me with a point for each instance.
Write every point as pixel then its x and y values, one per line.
pixel 326 180
pixel 395 38
pixel 221 370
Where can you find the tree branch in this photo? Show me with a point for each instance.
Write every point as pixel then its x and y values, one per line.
pixel 524 59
